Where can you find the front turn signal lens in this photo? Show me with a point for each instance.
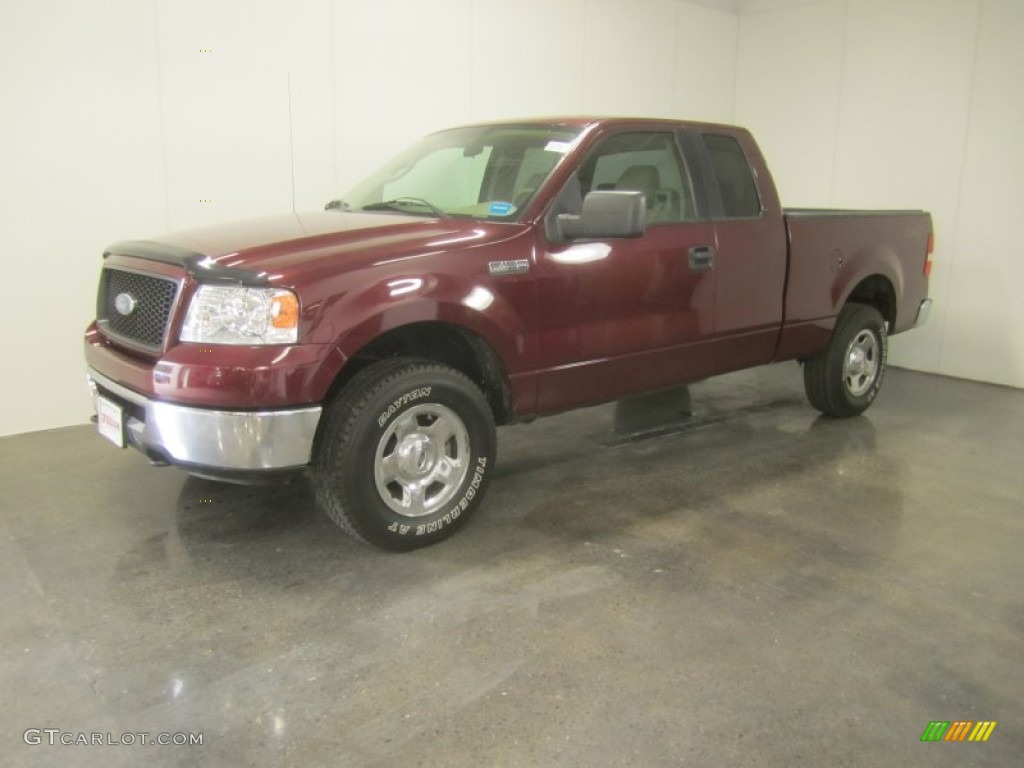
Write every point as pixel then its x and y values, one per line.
pixel 284 311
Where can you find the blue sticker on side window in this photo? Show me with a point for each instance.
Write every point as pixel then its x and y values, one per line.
pixel 501 209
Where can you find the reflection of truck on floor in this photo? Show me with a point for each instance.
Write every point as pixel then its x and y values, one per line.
pixel 489 274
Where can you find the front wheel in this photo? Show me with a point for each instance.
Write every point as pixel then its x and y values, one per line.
pixel 844 380
pixel 406 453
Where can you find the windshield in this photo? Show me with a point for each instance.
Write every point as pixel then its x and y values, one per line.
pixel 483 172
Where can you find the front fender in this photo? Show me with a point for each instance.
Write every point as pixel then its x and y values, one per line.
pixel 480 307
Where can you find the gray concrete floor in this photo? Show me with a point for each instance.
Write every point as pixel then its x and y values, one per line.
pixel 753 586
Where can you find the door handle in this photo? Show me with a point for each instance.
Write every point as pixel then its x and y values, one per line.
pixel 702 258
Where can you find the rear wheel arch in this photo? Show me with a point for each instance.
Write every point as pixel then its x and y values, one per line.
pixel 875 291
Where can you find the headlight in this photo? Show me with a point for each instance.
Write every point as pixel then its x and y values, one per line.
pixel 237 315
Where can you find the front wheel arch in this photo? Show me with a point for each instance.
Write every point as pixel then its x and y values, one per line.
pixel 447 343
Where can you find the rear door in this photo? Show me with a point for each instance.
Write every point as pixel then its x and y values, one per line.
pixel 750 246
pixel 626 315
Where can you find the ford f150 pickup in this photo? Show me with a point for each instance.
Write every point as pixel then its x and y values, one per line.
pixel 489 274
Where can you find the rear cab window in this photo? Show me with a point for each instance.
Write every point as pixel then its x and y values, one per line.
pixel 733 178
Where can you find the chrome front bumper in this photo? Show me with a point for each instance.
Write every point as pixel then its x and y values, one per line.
pixel 218 440
pixel 923 312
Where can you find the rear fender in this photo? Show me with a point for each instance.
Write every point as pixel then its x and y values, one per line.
pixel 864 265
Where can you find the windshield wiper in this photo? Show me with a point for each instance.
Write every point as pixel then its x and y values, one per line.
pixel 337 205
pixel 402 203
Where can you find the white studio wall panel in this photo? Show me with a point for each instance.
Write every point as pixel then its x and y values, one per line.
pixel 529 62
pixel 128 118
pixel 706 47
pixel 402 68
pixel 131 117
pixel 629 59
pixel 982 336
pixel 903 126
pixel 81 160
pixel 305 52
pixel 905 103
pixel 225 111
pixel 788 87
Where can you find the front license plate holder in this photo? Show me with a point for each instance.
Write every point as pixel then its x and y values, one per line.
pixel 110 421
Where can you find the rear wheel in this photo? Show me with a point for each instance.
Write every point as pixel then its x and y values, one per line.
pixel 405 455
pixel 844 380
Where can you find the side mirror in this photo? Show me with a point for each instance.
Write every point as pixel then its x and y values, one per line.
pixel 606 213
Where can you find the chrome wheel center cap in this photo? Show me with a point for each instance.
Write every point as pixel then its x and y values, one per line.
pixel 416 455
pixel 422 460
pixel 857 362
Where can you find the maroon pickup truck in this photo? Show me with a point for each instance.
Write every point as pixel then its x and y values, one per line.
pixel 489 274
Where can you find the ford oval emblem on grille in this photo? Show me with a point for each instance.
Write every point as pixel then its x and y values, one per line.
pixel 125 303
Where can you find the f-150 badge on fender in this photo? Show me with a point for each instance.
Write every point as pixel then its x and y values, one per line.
pixel 515 267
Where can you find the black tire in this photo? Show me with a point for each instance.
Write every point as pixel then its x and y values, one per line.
pixel 406 454
pixel 844 380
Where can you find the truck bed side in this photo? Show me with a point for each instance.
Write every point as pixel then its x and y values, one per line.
pixel 878 257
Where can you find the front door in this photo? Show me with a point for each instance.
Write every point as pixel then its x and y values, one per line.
pixel 627 315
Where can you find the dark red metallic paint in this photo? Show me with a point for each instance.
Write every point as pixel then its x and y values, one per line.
pixel 590 321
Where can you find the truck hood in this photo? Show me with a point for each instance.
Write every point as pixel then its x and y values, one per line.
pixel 277 249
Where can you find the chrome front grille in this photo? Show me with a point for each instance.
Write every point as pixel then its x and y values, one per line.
pixel 135 307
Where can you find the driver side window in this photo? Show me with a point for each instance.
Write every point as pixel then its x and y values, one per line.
pixel 649 163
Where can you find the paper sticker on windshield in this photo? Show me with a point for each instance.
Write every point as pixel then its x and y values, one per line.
pixel 501 209
pixel 561 147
